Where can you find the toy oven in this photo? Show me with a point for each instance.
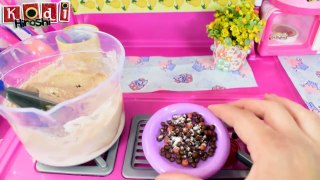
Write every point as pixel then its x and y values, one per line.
pixel 288 33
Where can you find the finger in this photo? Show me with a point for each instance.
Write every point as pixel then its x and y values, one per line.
pixel 308 121
pixel 175 176
pixel 272 113
pixel 253 174
pixel 253 131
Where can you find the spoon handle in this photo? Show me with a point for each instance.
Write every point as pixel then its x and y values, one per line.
pixel 23 98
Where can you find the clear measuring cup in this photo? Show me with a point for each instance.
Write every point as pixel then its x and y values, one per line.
pixel 78 129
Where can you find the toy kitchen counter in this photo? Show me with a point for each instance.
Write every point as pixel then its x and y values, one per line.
pixel 171 35
pixel 125 160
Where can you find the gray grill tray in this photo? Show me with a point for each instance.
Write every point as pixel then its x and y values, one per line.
pixel 103 165
pixel 145 171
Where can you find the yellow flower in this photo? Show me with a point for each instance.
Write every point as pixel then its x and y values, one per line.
pixel 246 48
pixel 257 39
pixel 244 35
pixel 236 24
pixel 244 20
pixel 211 25
pixel 234 43
pixel 251 36
pixel 262 22
pixel 226 25
pixel 235 33
pixel 234 28
pixel 255 29
pixel 225 33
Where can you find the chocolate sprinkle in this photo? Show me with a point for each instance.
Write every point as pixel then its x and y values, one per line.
pixel 187 139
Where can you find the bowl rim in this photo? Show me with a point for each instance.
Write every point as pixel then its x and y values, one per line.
pixel 151 146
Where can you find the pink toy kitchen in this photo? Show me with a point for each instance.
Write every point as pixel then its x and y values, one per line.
pixel 120 89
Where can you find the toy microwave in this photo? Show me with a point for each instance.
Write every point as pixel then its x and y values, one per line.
pixel 292 28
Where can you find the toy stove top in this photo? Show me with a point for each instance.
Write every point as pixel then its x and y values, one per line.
pixel 126 159
pixel 136 166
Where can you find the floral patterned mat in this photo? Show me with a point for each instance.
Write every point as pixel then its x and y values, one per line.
pixel 304 72
pixel 192 73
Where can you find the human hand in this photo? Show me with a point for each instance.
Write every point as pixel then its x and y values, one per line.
pixel 281 136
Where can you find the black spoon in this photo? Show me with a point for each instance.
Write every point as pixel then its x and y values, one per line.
pixel 23 98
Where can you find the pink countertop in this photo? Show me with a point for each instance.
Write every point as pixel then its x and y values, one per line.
pixel 16 164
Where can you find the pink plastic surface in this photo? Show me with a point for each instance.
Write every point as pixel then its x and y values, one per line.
pixel 16 164
pixel 186 30
pixel 8 36
pixel 298 6
pixel 165 34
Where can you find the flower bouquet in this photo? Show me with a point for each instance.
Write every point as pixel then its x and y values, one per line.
pixel 234 29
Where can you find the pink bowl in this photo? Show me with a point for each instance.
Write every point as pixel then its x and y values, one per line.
pixel 151 147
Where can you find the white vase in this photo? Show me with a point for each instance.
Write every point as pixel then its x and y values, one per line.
pixel 228 58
